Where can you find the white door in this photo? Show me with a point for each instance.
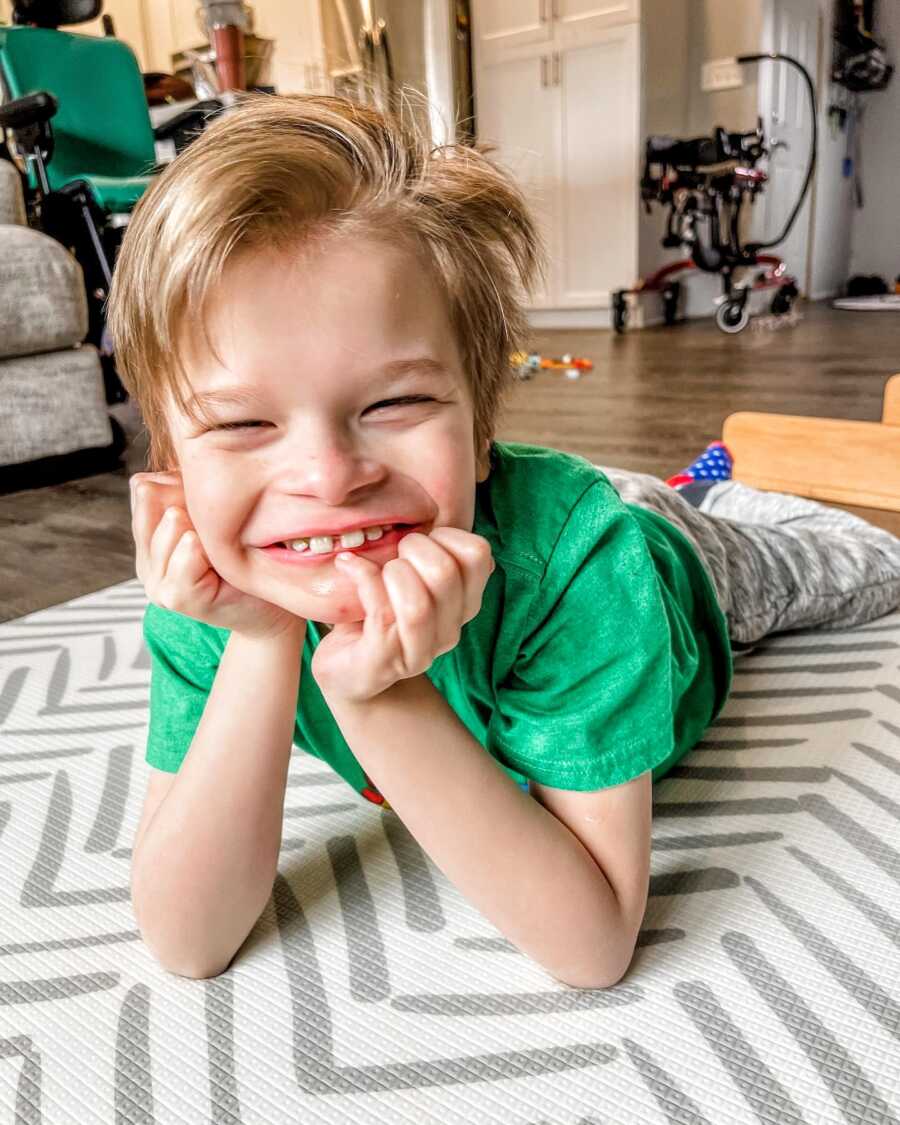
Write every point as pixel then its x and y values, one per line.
pixel 599 173
pixel 792 28
pixel 517 109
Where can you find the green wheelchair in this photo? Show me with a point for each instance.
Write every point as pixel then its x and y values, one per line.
pixel 77 123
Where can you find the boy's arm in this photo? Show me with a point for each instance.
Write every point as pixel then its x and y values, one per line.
pixel 203 869
pixel 564 876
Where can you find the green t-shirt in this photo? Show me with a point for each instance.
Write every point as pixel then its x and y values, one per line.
pixel 599 651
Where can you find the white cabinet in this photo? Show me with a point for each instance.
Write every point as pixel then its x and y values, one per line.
pixel 576 18
pixel 597 197
pixel 557 89
pixel 513 23
pixel 527 142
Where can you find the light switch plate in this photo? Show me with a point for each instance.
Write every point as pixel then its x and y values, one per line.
pixel 721 74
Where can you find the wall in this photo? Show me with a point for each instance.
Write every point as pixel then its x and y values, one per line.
pixel 664 85
pixel 130 23
pixel 875 235
pixel 722 29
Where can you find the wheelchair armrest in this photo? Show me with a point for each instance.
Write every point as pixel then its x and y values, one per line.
pixel 33 109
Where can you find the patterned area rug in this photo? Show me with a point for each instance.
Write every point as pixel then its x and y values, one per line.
pixel 764 989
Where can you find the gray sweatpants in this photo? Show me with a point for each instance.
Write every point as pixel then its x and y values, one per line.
pixel 777 561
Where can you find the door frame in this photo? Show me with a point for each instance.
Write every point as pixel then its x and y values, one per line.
pixel 764 100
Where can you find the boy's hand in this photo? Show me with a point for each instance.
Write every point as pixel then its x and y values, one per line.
pixel 415 606
pixel 175 571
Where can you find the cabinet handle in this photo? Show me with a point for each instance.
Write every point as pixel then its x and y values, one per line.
pixel 557 68
pixel 543 15
pixel 543 72
pixel 554 9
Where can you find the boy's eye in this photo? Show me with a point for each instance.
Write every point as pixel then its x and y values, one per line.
pixel 408 400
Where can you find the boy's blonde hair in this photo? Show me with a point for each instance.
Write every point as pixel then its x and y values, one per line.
pixel 283 169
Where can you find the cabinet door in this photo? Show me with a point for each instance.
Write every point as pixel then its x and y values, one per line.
pixel 598 170
pixel 498 25
pixel 574 19
pixel 518 111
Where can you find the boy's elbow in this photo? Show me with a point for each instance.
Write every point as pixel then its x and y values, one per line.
pixel 593 979
pixel 605 974
pixel 204 973
pixel 181 965
pixel 192 970
pixel 177 962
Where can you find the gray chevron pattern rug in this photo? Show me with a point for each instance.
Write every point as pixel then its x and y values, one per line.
pixel 764 988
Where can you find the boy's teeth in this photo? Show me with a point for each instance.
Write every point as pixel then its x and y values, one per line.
pixel 323 544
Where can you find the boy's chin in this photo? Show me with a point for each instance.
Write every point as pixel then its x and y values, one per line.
pixel 332 618
pixel 323 612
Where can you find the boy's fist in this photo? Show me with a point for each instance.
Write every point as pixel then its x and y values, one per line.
pixel 415 607
pixel 174 568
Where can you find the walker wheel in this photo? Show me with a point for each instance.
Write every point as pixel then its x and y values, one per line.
pixel 732 316
pixel 670 296
pixel 620 311
pixel 783 299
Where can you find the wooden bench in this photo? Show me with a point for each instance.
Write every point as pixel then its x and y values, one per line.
pixel 855 465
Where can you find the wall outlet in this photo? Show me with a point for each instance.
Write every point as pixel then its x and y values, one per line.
pixel 721 74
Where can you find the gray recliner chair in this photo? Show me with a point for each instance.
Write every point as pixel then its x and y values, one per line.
pixel 52 397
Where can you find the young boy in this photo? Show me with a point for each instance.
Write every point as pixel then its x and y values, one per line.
pixel 315 314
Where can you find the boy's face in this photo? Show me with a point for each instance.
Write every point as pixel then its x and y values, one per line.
pixel 309 338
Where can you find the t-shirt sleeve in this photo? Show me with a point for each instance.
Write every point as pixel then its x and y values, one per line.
pixel 588 701
pixel 184 659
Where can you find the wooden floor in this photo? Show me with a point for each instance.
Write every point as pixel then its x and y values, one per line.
pixel 654 400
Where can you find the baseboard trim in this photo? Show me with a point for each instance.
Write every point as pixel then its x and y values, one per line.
pixel 569 318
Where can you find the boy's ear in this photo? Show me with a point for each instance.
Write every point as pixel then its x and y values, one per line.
pixel 484 462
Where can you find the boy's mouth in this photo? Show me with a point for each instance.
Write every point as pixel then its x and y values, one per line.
pixel 320 548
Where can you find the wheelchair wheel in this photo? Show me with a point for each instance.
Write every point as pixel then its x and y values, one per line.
pixel 732 316
pixel 620 311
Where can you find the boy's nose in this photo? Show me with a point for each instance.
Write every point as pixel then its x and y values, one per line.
pixel 331 473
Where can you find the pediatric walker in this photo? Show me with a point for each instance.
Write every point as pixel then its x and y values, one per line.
pixel 705 182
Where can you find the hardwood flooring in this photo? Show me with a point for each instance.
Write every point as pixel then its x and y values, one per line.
pixel 654 400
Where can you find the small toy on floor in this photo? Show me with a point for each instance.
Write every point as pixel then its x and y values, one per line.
pixel 527 366
pixel 714 463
